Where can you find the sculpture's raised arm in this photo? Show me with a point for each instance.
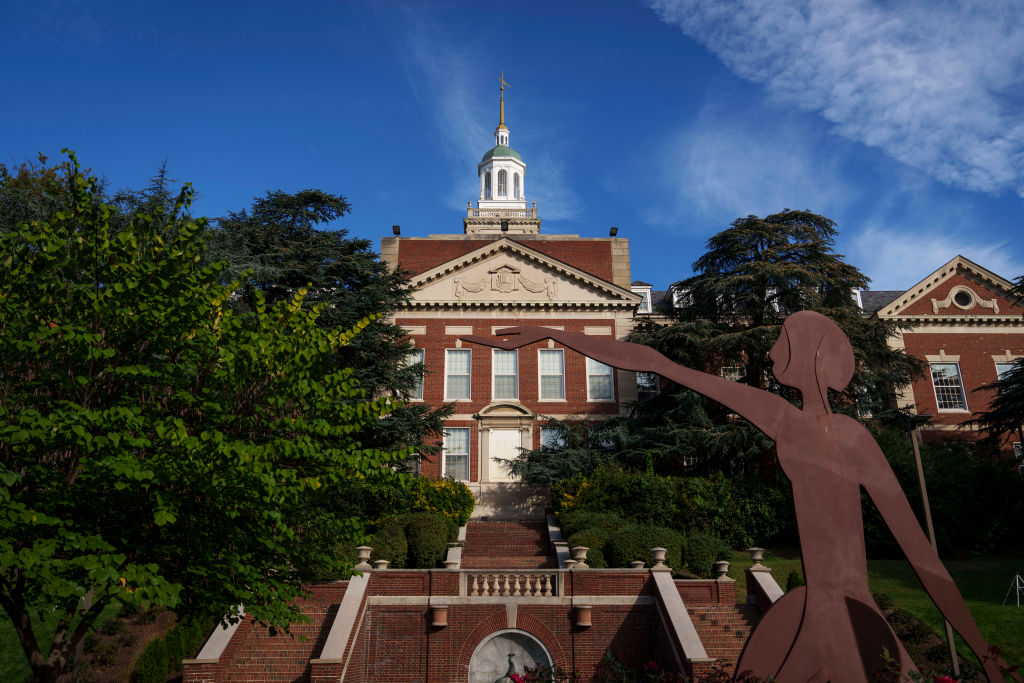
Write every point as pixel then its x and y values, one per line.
pixel 762 408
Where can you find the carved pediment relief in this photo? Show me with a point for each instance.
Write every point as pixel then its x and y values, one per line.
pixel 508 276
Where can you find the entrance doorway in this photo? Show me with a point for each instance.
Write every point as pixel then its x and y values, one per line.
pixel 502 443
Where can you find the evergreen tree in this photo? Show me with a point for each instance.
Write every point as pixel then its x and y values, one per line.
pixel 287 242
pixel 1005 414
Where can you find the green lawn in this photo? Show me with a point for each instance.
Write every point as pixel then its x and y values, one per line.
pixel 983 581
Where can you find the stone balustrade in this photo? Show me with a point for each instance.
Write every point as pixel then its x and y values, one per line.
pixel 527 584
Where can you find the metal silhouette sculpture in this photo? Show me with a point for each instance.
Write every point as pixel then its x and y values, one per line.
pixel 831 629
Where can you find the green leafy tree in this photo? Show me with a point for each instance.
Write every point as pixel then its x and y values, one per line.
pixel 1005 414
pixel 280 241
pixel 156 445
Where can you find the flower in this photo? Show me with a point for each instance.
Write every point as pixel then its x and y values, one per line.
pixel 651 666
pixel 518 678
pixel 944 679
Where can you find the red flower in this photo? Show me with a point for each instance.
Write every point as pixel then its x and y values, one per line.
pixel 651 666
pixel 944 679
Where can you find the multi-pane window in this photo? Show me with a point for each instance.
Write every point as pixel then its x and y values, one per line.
pixel 949 388
pixel 1002 369
pixel 505 367
pixel 416 358
pixel 599 381
pixel 502 183
pixel 487 185
pixel 515 185
pixel 552 437
pixel 647 386
pixel 456 374
pixel 456 453
pixel 551 363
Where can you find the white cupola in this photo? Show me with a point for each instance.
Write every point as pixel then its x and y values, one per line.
pixel 502 171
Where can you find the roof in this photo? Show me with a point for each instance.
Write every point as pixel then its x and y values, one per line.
pixel 501 151
pixel 641 283
pixel 875 300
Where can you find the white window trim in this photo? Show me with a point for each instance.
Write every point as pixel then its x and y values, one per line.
pixel 423 377
pixel 467 454
pixel 935 389
pixel 540 378
pixel 611 376
pixel 446 395
pixel 515 356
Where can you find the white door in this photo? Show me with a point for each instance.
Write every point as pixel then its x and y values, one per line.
pixel 503 443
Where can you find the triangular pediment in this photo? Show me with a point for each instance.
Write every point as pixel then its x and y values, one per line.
pixel 959 290
pixel 507 273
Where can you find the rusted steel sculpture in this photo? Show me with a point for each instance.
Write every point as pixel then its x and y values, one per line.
pixel 831 629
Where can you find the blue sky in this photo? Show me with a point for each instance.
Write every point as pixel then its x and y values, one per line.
pixel 903 122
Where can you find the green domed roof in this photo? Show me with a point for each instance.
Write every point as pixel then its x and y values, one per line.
pixel 502 151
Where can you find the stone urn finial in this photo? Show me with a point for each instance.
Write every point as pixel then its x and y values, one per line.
pixel 658 558
pixel 721 569
pixel 756 555
pixel 579 553
pixel 381 564
pixel 363 553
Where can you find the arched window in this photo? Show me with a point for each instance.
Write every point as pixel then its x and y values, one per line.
pixel 502 183
pixel 487 185
pixel 515 186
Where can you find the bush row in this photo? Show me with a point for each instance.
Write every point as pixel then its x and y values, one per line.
pixel 377 499
pixel 740 512
pixel 616 542
pixel 418 540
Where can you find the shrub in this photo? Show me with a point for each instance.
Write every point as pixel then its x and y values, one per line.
pixel 427 536
pixel 112 627
pixel 634 542
pixel 389 543
pixel 152 665
pixel 595 539
pixel 447 497
pixel 795 580
pixel 703 549
pixel 637 496
pixel 105 653
pixel 565 494
pixel 573 522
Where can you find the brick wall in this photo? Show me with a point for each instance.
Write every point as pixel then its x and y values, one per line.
pixel 960 279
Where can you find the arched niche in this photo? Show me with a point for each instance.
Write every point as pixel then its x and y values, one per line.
pixel 490 659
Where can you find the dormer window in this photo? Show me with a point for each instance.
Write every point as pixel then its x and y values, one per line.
pixel 502 183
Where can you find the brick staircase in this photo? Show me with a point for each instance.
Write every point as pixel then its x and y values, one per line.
pixel 507 545
pixel 724 629
pixel 258 657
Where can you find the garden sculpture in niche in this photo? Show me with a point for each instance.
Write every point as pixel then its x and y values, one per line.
pixel 830 629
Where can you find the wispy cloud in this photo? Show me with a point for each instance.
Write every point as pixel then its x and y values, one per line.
pixel 893 257
pixel 934 84
pixel 446 77
pixel 726 165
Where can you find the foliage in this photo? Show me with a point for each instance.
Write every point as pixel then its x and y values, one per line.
pixel 634 542
pixel 595 539
pixel 742 512
pixel 794 580
pixel 389 543
pixel 1005 414
pixel 985 512
pixel 280 241
pixel 427 535
pixel 631 495
pixel 128 380
pixel 702 549
pixel 376 498
pixel 574 521
pixel 612 669
pixel 163 656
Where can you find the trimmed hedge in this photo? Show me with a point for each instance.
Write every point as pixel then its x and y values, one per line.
pixel 636 496
pixel 595 539
pixel 702 550
pixel 389 543
pixel 634 542
pixel 427 535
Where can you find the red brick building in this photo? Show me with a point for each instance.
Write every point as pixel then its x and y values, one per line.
pixel 963 322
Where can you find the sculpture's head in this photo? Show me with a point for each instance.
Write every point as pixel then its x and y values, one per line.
pixel 812 351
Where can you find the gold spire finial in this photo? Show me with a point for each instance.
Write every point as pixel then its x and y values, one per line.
pixel 501 117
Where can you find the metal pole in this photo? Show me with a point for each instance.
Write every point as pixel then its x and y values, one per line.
pixel 915 436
